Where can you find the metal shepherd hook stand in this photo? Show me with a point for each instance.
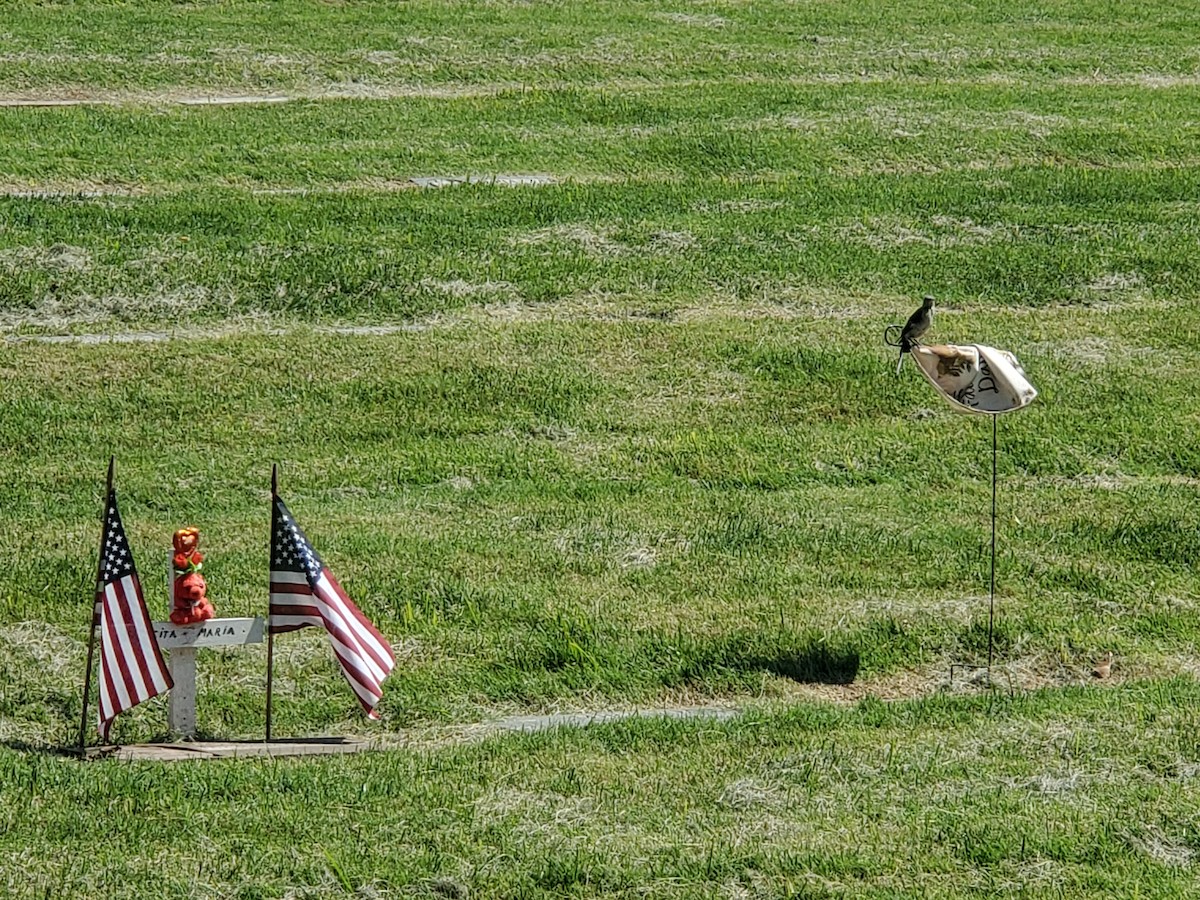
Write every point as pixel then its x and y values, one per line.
pixel 981 380
pixel 992 594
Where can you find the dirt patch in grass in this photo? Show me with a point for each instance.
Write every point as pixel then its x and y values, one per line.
pixel 1114 283
pixel 55 653
pixel 504 180
pixel 185 97
pixel 76 190
pixel 1095 351
pixel 51 656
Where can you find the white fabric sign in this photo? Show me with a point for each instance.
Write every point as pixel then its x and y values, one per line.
pixel 975 378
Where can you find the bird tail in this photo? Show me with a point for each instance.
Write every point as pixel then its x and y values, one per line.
pixel 900 361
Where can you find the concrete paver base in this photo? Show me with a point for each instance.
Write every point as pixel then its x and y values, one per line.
pixel 235 749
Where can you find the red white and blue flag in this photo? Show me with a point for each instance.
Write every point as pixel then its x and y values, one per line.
pixel 131 664
pixel 304 592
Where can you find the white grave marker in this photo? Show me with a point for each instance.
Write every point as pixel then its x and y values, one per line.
pixel 182 641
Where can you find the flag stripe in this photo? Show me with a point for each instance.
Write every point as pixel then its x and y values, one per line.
pixel 362 683
pixel 131 665
pixel 297 579
pixel 365 634
pixel 291 605
pixel 136 634
pixel 133 635
pixel 367 695
pixel 119 653
pixel 301 610
pixel 335 619
pixel 110 703
pixel 338 611
pixel 332 619
pixel 132 669
pixel 114 685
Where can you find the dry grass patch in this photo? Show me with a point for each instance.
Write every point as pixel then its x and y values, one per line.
pixel 885 232
pixel 1152 80
pixel 67 312
pixel 57 656
pixel 737 207
pixel 697 20
pixel 783 302
pixel 56 258
pixel 600 241
pixel 460 288
pixel 1112 282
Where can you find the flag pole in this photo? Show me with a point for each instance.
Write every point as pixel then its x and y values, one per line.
pixel 270 634
pixel 87 675
pixel 992 596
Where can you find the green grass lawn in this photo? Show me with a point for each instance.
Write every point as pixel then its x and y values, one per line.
pixel 1076 792
pixel 631 437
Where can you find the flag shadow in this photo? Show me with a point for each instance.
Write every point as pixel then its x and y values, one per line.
pixel 28 747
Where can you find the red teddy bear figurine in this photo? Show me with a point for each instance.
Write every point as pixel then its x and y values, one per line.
pixel 189 603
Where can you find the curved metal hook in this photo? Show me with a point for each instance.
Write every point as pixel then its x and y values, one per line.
pixel 891 335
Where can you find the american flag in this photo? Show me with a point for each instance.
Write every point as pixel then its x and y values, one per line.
pixel 304 592
pixel 131 665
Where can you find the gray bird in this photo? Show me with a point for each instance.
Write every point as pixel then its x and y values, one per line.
pixel 918 323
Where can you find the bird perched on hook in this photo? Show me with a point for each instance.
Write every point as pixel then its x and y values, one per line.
pixel 918 323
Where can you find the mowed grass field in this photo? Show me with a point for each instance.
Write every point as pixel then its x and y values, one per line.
pixel 610 424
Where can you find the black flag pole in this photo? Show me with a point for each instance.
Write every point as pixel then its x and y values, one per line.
pixel 270 634
pixel 87 675
pixel 992 597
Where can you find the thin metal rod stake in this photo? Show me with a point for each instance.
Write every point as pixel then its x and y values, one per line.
pixel 87 685
pixel 270 634
pixel 270 669
pixel 87 675
pixel 992 596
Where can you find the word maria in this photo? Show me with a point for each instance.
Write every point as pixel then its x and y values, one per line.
pixel 204 631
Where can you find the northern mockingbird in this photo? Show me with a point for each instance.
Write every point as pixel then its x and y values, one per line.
pixel 918 323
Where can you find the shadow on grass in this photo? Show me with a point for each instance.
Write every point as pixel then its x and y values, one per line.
pixel 814 665
pixel 742 656
pixel 558 657
pixel 19 746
